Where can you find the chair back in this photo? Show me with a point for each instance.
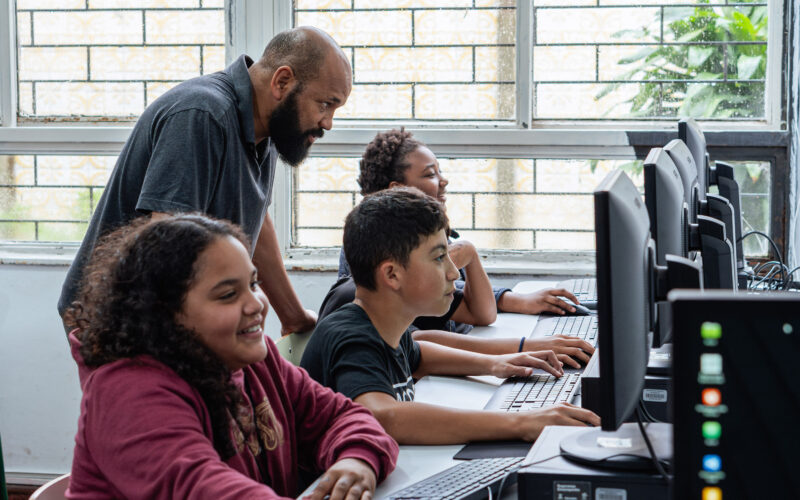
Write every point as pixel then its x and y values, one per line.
pixel 292 346
pixel 53 490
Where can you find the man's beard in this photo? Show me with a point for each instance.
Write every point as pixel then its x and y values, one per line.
pixel 284 130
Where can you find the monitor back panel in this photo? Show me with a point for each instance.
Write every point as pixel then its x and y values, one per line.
pixel 736 395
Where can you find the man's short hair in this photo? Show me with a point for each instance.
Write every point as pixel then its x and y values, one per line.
pixel 388 224
pixel 298 49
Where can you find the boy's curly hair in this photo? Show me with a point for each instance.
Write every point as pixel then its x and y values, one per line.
pixel 134 286
pixel 384 160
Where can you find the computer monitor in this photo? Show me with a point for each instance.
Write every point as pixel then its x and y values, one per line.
pixel 720 175
pixel 624 258
pixel 729 189
pixel 691 134
pixel 684 161
pixel 735 394
pixel 666 206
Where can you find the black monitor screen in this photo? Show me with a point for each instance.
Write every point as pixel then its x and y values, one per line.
pixel 624 253
pixel 691 134
pixel 683 160
pixel 736 396
pixel 663 195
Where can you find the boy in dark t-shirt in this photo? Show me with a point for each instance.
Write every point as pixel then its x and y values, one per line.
pixel 396 246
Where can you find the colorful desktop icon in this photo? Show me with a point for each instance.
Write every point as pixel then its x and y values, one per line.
pixel 712 493
pixel 712 430
pixel 712 463
pixel 711 397
pixel 711 363
pixel 710 330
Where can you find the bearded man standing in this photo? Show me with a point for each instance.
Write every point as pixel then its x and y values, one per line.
pixel 210 145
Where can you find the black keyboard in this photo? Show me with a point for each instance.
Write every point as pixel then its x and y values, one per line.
pixel 539 390
pixel 585 289
pixel 470 480
pixel 583 327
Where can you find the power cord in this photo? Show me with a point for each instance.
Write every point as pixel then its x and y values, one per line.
pixel 765 235
pixel 656 462
pixel 648 417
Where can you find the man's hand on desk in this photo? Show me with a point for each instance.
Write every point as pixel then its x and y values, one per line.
pixel 531 423
pixel 347 479
pixel 546 300
pixel 521 364
pixel 569 350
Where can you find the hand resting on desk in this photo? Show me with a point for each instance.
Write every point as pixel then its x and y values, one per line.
pixel 349 478
pixel 521 364
pixel 547 300
pixel 570 351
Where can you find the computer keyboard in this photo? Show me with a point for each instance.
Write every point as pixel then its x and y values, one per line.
pixel 585 289
pixel 539 390
pixel 583 327
pixel 470 480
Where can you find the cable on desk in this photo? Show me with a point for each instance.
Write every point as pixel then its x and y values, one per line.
pixel 656 462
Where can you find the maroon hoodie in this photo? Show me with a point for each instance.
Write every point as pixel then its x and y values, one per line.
pixel 144 432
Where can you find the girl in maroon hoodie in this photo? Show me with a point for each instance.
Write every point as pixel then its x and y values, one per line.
pixel 183 394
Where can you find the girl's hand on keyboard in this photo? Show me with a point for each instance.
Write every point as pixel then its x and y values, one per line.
pixel 542 301
pixel 532 422
pixel 347 479
pixel 571 351
pixel 521 364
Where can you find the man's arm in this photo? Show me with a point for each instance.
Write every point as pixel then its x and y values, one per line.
pixel 421 423
pixel 275 283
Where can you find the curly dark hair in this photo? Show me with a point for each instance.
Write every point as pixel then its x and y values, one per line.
pixel 133 288
pixel 388 224
pixel 384 160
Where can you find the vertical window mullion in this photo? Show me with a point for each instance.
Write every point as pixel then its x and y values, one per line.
pixel 775 58
pixel 8 64
pixel 524 55
pixel 268 18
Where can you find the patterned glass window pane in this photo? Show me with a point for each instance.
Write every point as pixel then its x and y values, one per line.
pixel 645 59
pixel 108 59
pixel 514 204
pixel 423 59
pixel 50 198
pixel 754 178
pixel 518 204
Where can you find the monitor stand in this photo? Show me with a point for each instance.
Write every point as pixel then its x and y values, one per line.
pixel 623 449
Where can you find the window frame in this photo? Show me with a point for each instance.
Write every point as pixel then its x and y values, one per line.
pixel 250 22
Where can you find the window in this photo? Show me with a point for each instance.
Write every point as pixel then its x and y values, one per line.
pixel 107 60
pixel 482 67
pixel 527 104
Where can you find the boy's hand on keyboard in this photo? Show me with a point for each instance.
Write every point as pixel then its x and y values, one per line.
pixel 533 422
pixel 546 300
pixel 521 364
pixel 571 351
pixel 347 479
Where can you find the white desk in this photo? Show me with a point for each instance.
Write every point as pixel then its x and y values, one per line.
pixel 418 462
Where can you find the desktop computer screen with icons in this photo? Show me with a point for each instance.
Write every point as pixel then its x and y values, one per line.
pixel 736 396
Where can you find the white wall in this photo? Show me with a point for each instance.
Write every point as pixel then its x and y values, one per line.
pixel 39 391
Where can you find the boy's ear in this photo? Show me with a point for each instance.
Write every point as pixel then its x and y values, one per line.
pixel 389 274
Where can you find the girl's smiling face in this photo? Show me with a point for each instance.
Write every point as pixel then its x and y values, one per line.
pixel 423 173
pixel 225 306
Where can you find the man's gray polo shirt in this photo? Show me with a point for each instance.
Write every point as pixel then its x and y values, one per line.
pixel 193 149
